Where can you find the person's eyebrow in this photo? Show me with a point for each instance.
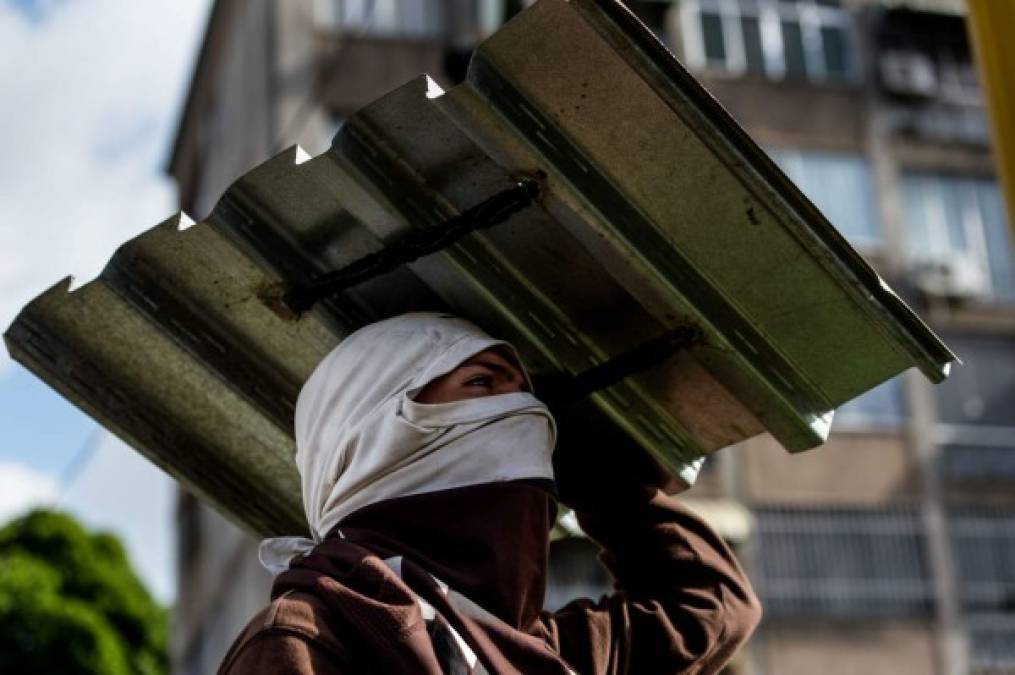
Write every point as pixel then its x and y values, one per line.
pixel 497 367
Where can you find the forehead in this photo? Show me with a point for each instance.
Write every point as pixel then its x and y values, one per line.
pixel 499 355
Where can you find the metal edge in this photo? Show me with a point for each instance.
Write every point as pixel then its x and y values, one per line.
pixel 930 354
pixel 58 364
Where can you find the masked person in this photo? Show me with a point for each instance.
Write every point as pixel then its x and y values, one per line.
pixel 430 493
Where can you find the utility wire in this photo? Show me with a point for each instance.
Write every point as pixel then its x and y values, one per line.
pixel 73 469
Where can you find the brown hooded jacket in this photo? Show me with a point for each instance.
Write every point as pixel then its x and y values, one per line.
pixel 682 604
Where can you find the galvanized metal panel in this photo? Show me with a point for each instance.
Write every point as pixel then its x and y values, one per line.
pixel 657 212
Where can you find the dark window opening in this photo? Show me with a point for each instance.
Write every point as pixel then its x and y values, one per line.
pixel 715 46
pixel 753 52
pixel 793 50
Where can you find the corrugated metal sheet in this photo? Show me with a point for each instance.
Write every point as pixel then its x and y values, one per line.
pixel 657 212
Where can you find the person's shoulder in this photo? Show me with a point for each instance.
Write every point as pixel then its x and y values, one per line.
pixel 296 628
pixel 299 612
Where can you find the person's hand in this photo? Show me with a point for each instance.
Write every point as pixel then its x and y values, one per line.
pixel 597 465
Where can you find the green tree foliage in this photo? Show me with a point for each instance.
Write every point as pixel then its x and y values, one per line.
pixel 70 603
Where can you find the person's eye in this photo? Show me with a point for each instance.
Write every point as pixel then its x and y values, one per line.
pixel 479 381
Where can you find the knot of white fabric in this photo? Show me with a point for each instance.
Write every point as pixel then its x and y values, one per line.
pixel 362 439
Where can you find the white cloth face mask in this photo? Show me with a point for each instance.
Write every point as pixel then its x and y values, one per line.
pixel 362 439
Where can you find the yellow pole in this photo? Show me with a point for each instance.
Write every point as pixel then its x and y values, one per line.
pixel 991 24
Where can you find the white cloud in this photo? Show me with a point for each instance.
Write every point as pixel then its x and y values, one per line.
pixel 91 93
pixel 23 488
pixel 122 492
pixel 117 491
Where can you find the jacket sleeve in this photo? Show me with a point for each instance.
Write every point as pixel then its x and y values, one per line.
pixel 682 603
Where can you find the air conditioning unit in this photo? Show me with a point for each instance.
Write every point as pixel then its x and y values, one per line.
pixel 908 73
pixel 961 277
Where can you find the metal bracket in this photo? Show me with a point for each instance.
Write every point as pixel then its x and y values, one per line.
pixel 559 392
pixel 416 244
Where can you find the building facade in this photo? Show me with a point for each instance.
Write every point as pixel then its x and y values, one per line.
pixel 891 549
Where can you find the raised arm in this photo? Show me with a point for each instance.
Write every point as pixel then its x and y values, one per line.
pixel 682 603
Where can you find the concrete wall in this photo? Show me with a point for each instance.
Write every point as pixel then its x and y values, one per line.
pixel 793 113
pixel 862 469
pixel 861 647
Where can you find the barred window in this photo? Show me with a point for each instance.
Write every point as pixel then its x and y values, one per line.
pixel 842 562
pixel 983 539
pixel 991 647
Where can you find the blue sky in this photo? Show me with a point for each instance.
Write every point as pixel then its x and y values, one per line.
pixel 90 92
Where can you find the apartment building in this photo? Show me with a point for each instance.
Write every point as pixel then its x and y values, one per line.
pixel 891 549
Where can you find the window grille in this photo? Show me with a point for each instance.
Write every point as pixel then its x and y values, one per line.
pixel 842 562
pixel 841 185
pixel 983 540
pixel 991 647
pixel 780 39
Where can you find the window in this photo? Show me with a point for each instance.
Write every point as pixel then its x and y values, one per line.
pixel 983 540
pixel 971 462
pixel 386 18
pixel 934 49
pixel 976 411
pixel 842 562
pixel 944 122
pixel 991 648
pixel 959 222
pixel 841 185
pixel 490 15
pixel 791 39
pixel 980 393
pixel 880 408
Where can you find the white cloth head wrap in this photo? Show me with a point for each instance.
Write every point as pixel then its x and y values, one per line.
pixel 362 439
